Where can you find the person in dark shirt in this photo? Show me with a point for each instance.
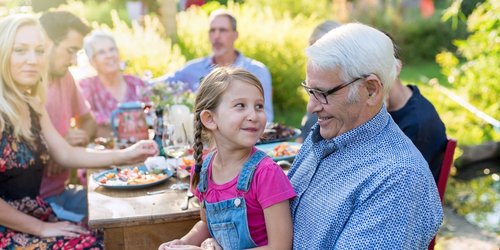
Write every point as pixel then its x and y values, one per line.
pixel 419 120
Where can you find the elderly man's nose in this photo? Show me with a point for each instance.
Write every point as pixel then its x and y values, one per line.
pixel 313 105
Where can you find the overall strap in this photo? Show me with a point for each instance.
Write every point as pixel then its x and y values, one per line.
pixel 248 170
pixel 203 184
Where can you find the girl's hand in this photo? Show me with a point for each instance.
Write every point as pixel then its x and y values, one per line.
pixel 177 244
pixel 210 244
pixel 139 152
pixel 63 228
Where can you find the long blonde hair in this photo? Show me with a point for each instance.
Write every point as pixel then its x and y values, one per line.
pixel 12 99
pixel 208 97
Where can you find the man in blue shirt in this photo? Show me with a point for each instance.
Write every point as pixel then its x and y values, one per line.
pixel 222 34
pixel 360 182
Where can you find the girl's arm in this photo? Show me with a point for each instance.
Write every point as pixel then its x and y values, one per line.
pixel 279 226
pixel 196 235
pixel 78 157
pixel 16 220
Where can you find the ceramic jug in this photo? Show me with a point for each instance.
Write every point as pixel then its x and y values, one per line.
pixel 128 122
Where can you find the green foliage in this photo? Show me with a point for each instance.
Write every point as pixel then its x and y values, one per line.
pixel 477 78
pixel 321 9
pixel 476 81
pixel 143 48
pixel 419 39
pixel 477 196
pixel 97 11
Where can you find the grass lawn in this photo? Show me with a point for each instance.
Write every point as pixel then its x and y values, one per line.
pixel 422 72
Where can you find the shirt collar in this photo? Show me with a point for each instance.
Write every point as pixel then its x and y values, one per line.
pixel 209 63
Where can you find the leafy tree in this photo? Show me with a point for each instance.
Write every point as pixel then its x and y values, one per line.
pixel 477 77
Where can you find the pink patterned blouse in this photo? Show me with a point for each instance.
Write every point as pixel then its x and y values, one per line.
pixel 103 103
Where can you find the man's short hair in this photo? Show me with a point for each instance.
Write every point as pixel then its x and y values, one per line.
pixel 57 24
pixel 321 29
pixel 224 13
pixel 355 49
pixel 396 47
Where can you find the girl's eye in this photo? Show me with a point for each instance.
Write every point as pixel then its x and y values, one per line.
pixel 19 50
pixel 40 51
pixel 240 105
pixel 259 106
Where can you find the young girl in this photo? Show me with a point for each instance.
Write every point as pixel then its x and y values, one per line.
pixel 244 194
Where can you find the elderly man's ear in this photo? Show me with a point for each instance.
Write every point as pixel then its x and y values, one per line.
pixel 374 90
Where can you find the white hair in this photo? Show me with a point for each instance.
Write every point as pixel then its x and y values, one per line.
pixel 356 50
pixel 92 38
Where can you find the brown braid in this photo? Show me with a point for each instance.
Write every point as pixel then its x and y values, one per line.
pixel 198 149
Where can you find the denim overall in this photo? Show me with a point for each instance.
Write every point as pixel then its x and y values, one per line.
pixel 227 220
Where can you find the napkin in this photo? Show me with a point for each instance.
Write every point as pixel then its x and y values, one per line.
pixel 158 162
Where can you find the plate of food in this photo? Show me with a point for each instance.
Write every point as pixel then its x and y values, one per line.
pixel 276 132
pixel 131 177
pixel 281 151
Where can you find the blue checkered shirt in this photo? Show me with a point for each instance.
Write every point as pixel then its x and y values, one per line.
pixel 369 188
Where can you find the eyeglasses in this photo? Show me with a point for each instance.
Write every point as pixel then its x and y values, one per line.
pixel 321 96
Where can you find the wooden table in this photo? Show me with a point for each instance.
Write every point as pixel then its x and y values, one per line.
pixel 131 219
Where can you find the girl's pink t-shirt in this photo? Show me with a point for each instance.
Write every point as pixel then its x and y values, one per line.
pixel 269 186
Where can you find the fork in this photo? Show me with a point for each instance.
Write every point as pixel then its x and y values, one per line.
pixel 185 203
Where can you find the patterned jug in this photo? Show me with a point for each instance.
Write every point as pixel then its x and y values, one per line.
pixel 128 122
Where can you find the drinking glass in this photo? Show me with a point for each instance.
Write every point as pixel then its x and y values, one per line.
pixel 175 145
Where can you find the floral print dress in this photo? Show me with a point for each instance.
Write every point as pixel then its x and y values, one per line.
pixel 21 169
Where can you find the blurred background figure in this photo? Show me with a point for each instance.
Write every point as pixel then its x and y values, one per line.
pixel 310 119
pixel 67 110
pixel 110 86
pixel 223 34
pixel 418 119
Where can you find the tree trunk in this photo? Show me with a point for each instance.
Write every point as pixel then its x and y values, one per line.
pixel 340 10
pixel 168 11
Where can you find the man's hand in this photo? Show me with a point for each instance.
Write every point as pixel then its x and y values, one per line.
pixel 77 137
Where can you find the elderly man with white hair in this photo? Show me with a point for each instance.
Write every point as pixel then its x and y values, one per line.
pixel 360 182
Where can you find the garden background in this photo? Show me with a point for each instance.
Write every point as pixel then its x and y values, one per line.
pixel 454 52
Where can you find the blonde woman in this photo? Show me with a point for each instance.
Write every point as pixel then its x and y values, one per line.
pixel 28 140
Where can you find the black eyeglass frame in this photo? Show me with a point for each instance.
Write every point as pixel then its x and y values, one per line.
pixel 326 93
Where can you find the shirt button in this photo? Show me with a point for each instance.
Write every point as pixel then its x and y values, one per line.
pixel 237 202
